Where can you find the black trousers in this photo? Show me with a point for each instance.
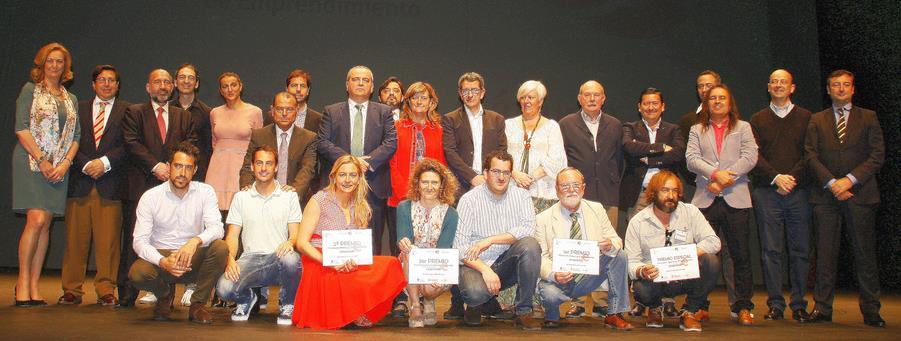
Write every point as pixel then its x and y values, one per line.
pixel 127 292
pixel 377 222
pixel 732 225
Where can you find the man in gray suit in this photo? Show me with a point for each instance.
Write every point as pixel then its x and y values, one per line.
pixel 362 128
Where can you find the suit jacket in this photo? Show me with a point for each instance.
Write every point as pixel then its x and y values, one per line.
pixel 551 223
pixel 458 144
pixel 200 114
pixel 636 145
pixel 110 146
pixel 145 147
pixel 301 158
pixel 602 168
pixel 862 154
pixel 739 155
pixel 379 143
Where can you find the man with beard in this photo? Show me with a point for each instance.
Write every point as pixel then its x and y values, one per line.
pixel 671 222
pixel 575 218
pixel 299 84
pixel 149 131
pixel 178 234
pixel 391 93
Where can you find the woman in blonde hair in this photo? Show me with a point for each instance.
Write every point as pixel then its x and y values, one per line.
pixel 48 131
pixel 331 297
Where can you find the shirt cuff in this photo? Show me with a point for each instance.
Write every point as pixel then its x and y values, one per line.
pixel 106 165
pixel 774 179
pixel 828 184
pixel 853 179
pixel 153 170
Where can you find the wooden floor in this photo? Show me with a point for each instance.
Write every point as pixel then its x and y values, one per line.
pixel 92 322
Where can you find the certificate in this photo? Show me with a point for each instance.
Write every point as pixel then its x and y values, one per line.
pixel 576 256
pixel 339 246
pixel 676 263
pixel 434 266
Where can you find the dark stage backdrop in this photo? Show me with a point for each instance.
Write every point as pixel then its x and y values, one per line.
pixel 626 45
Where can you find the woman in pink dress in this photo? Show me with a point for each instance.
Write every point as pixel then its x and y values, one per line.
pixel 231 124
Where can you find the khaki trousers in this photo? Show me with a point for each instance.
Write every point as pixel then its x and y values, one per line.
pixel 92 218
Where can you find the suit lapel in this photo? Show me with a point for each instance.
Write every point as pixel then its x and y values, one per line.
pixel 561 229
pixel 854 125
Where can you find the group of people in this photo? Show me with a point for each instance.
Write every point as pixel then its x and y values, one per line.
pixel 155 184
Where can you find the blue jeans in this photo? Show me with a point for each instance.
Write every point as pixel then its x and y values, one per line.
pixel 649 293
pixel 520 264
pixel 263 269
pixel 614 270
pixel 782 219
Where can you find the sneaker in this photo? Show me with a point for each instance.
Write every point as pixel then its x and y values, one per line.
pixel 689 323
pixel 242 311
pixel 745 318
pixel 189 290
pixel 615 321
pixel 703 315
pixel 655 318
pixel 148 298
pixel 284 314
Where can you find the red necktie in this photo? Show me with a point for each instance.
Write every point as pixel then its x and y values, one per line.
pixel 161 123
pixel 99 121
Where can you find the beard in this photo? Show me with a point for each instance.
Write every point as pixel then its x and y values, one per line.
pixel 667 205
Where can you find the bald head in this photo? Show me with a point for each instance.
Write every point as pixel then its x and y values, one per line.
pixel 781 86
pixel 158 73
pixel 591 97
pixel 159 85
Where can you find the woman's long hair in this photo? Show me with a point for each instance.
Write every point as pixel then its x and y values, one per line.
pixel 37 68
pixel 361 210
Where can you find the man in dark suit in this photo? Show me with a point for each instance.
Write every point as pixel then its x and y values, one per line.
pixel 296 147
pixel 651 145
pixel 706 80
pixel 187 81
pixel 93 210
pixel 844 150
pixel 364 129
pixel 391 93
pixel 149 131
pixel 299 83
pixel 471 132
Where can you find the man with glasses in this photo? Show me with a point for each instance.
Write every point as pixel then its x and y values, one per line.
pixel 187 83
pixel 496 246
pixel 391 93
pixel 575 218
pixel 470 133
pixel 669 222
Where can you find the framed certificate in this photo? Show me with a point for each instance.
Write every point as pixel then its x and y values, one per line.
pixel 339 246
pixel 576 256
pixel 434 266
pixel 676 263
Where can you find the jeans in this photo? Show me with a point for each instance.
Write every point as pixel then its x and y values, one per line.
pixel 649 293
pixel 520 264
pixel 614 270
pixel 782 219
pixel 263 269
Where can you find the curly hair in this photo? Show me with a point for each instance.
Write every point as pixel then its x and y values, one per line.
pixel 447 189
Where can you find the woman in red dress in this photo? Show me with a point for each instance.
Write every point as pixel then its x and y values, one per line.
pixel 331 297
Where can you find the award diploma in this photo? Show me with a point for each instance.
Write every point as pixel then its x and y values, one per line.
pixel 434 266
pixel 676 263
pixel 339 246
pixel 576 256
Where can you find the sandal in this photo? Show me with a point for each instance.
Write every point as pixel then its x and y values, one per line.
pixel 363 322
pixel 416 317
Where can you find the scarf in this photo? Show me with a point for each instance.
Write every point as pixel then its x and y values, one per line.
pixel 44 125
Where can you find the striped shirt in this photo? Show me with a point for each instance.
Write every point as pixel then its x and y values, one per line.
pixel 483 214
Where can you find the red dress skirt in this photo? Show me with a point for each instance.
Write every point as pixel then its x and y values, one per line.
pixel 328 299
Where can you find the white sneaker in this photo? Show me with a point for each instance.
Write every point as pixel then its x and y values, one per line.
pixel 242 311
pixel 189 290
pixel 284 315
pixel 148 298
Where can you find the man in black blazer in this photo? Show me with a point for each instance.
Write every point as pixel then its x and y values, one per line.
pixel 844 150
pixel 149 131
pixel 651 145
pixel 469 126
pixel 374 142
pixel 298 164
pixel 187 81
pixel 93 210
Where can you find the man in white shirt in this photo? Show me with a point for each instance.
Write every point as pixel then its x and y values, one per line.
pixel 267 220
pixel 177 236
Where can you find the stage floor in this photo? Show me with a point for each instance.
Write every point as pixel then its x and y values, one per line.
pixel 93 322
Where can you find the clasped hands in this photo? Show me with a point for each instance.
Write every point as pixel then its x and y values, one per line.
pixel 178 262
pixel 841 189
pixel 54 174
pixel 720 180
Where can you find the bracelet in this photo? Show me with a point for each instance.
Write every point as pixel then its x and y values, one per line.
pixel 42 158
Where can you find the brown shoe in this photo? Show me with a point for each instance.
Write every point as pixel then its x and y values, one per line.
pixel 526 322
pixel 689 322
pixel 615 321
pixel 655 318
pixel 702 315
pixel 69 299
pixel 744 318
pixel 164 307
pixel 107 300
pixel 198 314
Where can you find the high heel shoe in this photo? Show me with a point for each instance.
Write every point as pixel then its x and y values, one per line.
pixel 21 304
pixel 416 319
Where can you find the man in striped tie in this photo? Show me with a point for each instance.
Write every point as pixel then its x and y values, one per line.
pixel 575 218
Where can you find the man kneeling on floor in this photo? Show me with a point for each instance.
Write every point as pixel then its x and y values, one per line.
pixel 670 222
pixel 267 218
pixel 177 236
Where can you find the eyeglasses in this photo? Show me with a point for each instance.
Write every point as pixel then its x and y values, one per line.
pixel 780 82
pixel 498 172
pixel 668 242
pixel 573 186
pixel 103 80
pixel 470 92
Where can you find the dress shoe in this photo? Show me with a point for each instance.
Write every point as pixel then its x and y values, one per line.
pixel 689 322
pixel 38 303
pixel 107 300
pixel 655 318
pixel 552 324
pixel 503 315
pixel 127 297
pixel 164 307
pixel 670 311
pixel 472 317
pixel 745 318
pixel 69 299
pixel 817 316
pixel 575 311
pixel 702 315
pixel 615 321
pixel 454 313
pixel 801 315
pixel 774 314
pixel 527 322
pixel 874 320
pixel 198 314
pixel 637 310
pixel 23 304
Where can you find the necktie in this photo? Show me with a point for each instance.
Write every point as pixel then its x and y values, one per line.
pixel 840 125
pixel 161 123
pixel 356 143
pixel 575 232
pixel 283 160
pixel 99 123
